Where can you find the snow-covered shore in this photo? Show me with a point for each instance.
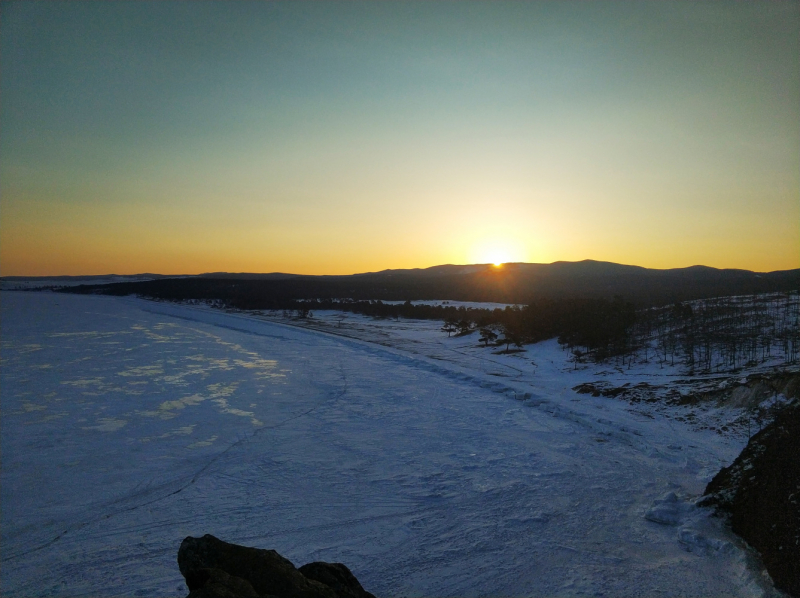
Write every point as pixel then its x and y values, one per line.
pixel 429 466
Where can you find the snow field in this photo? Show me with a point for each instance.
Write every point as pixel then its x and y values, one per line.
pixel 429 468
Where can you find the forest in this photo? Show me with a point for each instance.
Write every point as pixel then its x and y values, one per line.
pixel 702 333
pixel 704 336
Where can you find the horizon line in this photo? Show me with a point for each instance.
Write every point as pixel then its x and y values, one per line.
pixel 276 273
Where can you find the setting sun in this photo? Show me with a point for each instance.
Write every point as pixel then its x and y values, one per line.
pixel 497 253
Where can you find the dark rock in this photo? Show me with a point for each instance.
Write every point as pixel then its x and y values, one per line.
pixel 216 569
pixel 336 576
pixel 761 492
pixel 215 583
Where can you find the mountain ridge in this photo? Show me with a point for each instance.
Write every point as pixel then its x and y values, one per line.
pixel 509 283
pixel 440 269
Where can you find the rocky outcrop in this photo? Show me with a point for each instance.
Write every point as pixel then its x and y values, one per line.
pixel 337 577
pixel 216 569
pixel 761 492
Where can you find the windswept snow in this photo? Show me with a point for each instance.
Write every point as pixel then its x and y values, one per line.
pixel 429 467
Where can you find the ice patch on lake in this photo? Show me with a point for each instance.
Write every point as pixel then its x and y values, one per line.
pixel 107 424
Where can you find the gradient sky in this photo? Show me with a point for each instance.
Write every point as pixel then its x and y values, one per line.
pixel 332 138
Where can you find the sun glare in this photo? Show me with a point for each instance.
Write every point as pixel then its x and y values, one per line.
pixel 496 253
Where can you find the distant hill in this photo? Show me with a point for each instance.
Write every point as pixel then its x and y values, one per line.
pixel 250 276
pixel 509 283
pixel 91 277
pixel 42 282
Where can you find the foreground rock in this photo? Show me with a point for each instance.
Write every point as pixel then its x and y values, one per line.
pixel 761 492
pixel 216 569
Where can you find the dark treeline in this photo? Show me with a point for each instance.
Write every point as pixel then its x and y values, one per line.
pixel 592 328
pixel 595 327
pixel 598 326
pixel 704 335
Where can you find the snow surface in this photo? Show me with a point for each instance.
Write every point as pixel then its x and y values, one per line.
pixel 430 466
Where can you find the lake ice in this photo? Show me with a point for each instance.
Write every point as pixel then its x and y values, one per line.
pixel 128 425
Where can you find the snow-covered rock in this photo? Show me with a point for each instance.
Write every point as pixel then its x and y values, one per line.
pixel 668 510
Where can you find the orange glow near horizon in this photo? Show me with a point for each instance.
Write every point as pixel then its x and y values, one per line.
pixel 49 238
pixel 259 137
pixel 80 249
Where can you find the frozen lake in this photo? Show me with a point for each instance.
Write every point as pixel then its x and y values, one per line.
pixel 128 425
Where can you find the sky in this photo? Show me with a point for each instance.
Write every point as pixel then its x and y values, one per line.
pixel 343 137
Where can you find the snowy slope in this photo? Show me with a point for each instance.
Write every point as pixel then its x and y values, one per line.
pixel 127 425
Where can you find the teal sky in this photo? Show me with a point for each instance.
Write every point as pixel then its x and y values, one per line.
pixel 325 137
